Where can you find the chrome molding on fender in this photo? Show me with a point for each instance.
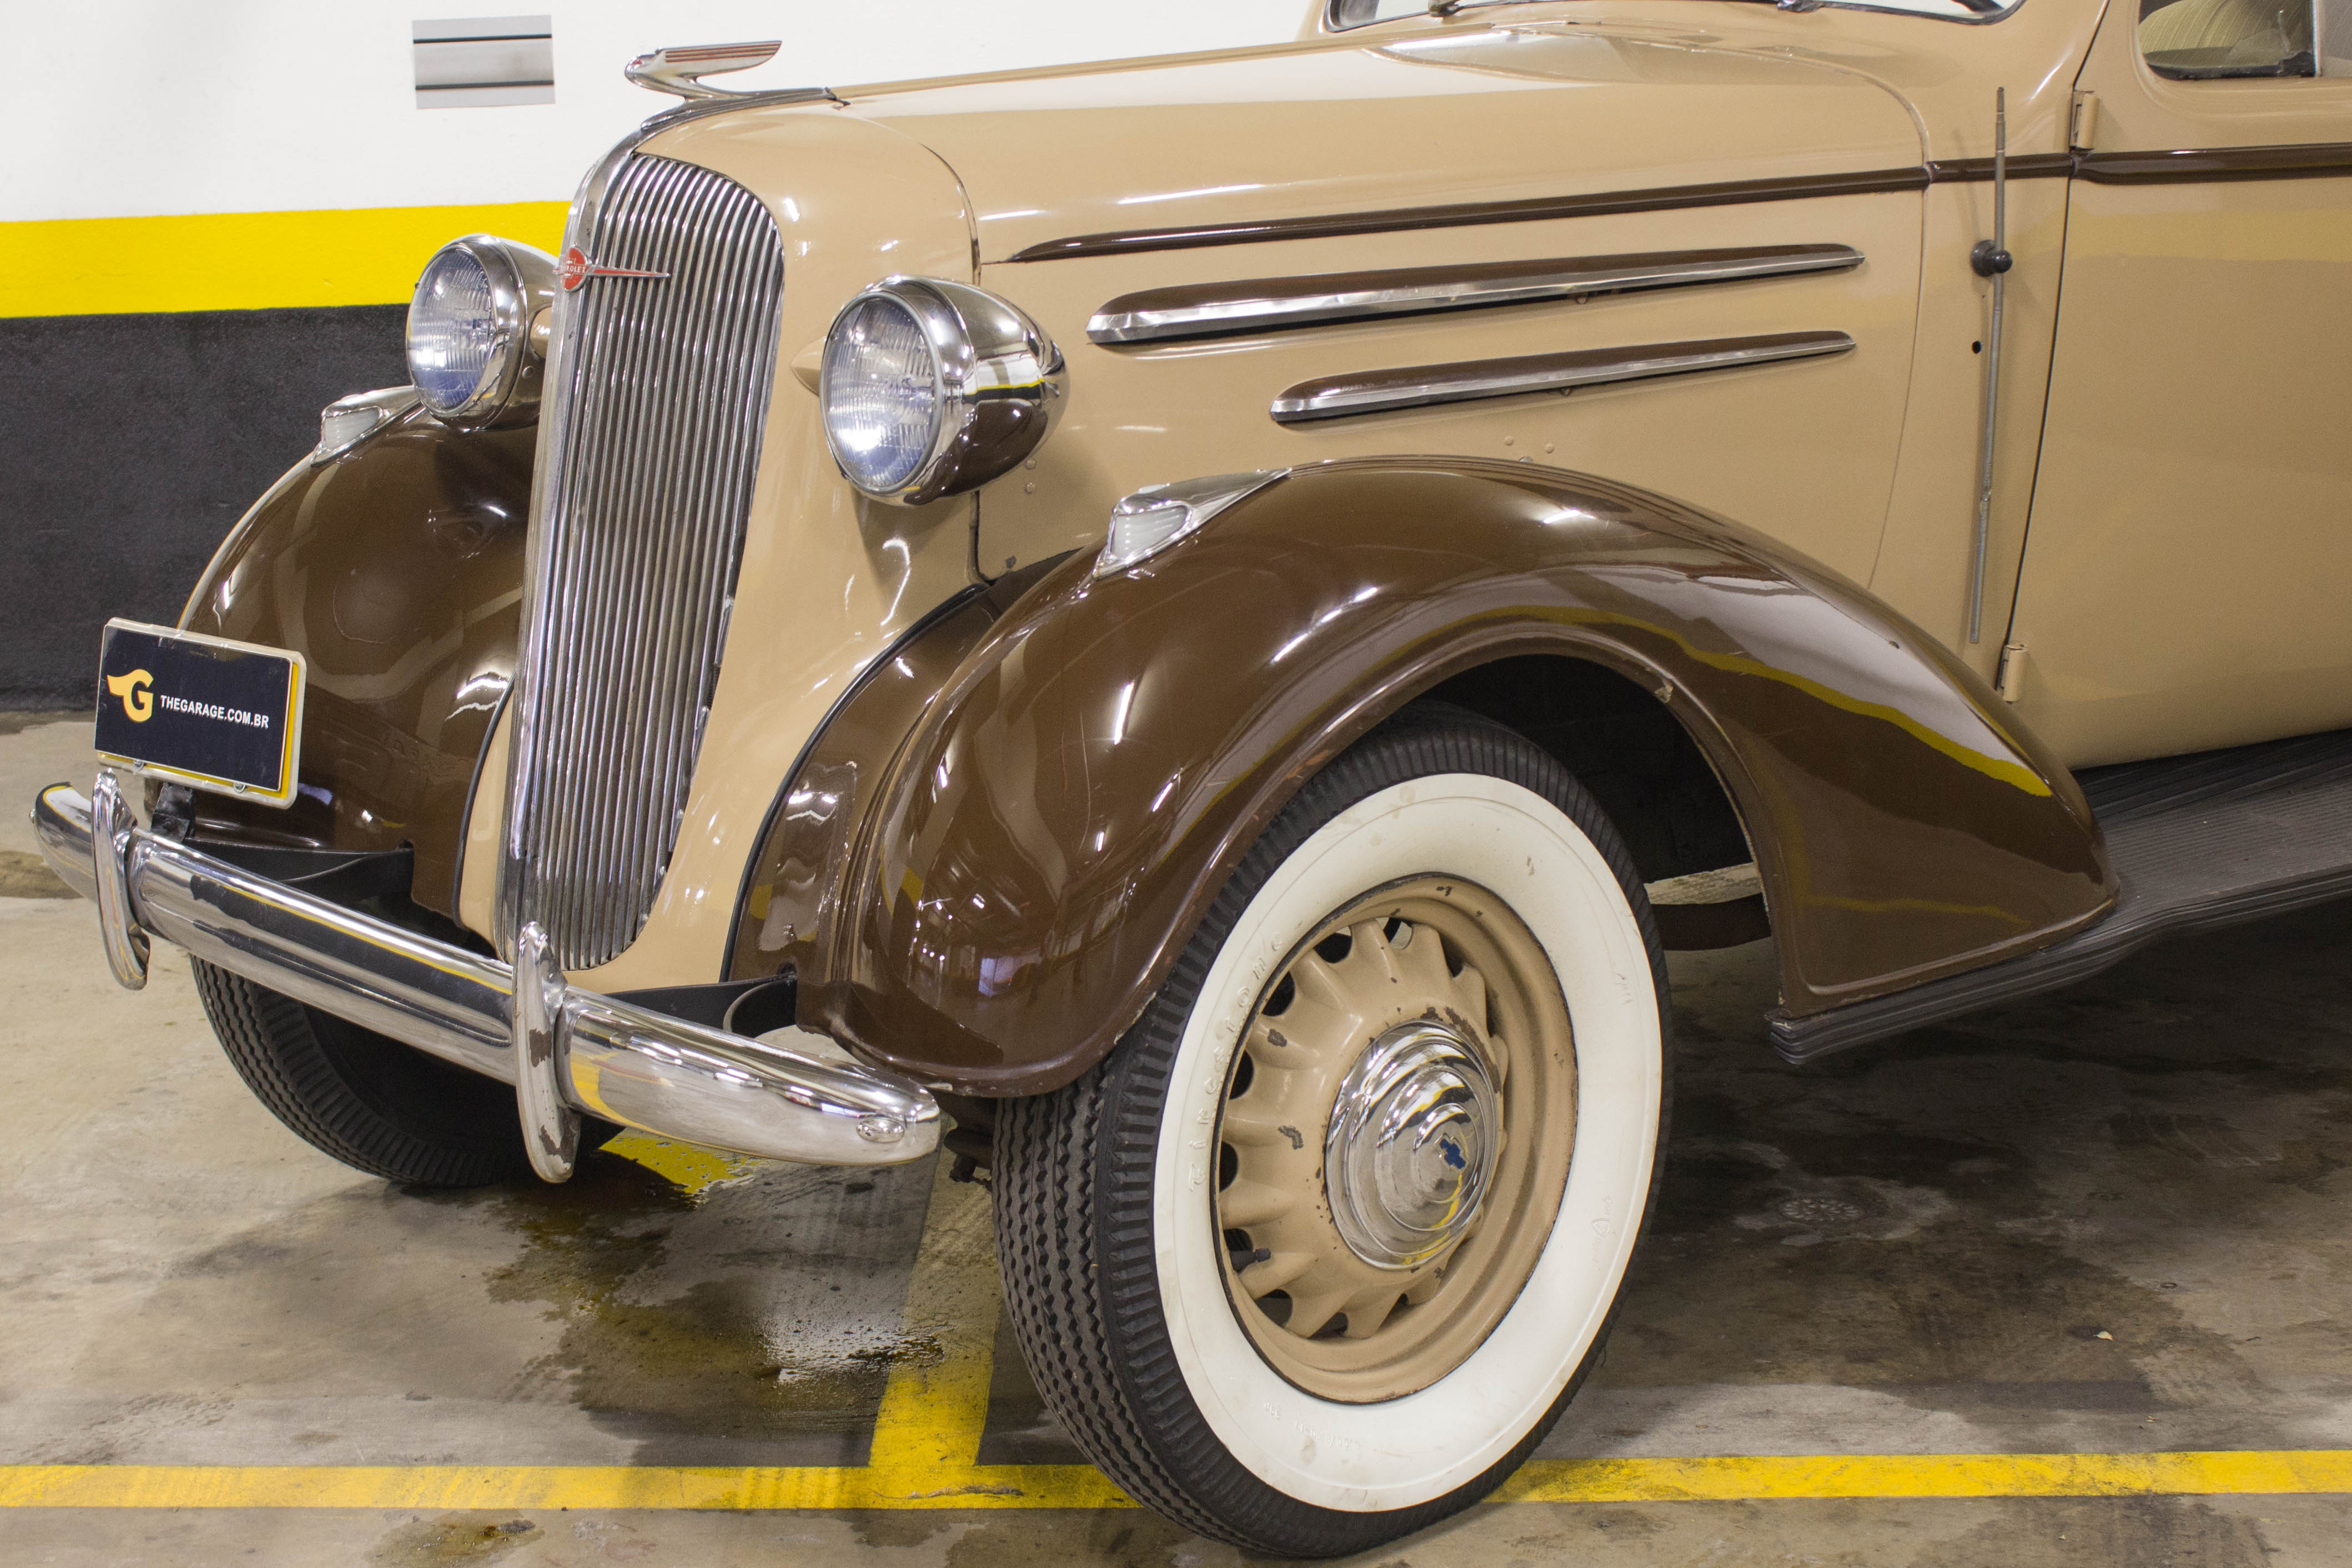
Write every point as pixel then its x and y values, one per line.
pixel 1421 386
pixel 1272 304
pixel 1155 518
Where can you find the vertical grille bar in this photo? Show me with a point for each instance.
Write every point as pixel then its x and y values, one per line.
pixel 664 395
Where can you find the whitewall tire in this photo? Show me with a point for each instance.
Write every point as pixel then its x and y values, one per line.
pixel 1318 1255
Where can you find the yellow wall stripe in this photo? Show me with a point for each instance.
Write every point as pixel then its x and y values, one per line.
pixel 243 261
pixel 969 1485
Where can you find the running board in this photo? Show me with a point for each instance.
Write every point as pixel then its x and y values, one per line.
pixel 2198 842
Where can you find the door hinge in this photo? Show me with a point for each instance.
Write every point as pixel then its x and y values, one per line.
pixel 2009 680
pixel 2084 129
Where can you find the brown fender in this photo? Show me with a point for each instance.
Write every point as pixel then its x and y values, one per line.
pixel 1045 840
pixel 396 569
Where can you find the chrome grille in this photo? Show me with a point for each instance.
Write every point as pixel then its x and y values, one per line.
pixel 655 410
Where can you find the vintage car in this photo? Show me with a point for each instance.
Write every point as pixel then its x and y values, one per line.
pixel 1192 628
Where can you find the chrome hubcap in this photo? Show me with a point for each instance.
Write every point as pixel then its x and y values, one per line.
pixel 1412 1145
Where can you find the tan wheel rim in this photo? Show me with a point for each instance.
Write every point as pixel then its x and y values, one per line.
pixel 1367 1282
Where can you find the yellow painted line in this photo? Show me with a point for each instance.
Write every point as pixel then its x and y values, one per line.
pixel 690 1167
pixel 1775 1477
pixel 243 261
pixel 2208 1474
pixel 453 1487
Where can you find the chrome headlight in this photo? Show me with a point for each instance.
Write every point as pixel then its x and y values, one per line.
pixel 470 348
pixel 932 388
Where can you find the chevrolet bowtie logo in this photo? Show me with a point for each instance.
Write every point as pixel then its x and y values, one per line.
pixel 137 691
pixel 575 269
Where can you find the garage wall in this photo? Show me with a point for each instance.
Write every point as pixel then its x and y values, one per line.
pixel 220 238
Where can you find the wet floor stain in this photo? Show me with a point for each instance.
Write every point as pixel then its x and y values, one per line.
pixel 454 1541
pixel 24 875
pixel 2136 1531
pixel 1124 1537
pixel 690 1322
pixel 1969 1220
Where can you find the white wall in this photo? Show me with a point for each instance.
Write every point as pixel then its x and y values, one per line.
pixel 139 107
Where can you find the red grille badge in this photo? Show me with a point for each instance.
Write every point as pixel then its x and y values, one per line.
pixel 575 269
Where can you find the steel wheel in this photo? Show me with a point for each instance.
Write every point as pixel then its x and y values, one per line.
pixel 1386 1180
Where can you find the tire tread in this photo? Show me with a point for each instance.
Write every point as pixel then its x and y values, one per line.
pixel 274 1043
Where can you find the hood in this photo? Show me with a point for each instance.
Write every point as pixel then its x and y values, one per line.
pixel 1486 115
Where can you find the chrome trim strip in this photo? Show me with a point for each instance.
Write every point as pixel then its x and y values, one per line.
pixel 1260 305
pixel 1379 391
pixel 1662 198
pixel 616 1060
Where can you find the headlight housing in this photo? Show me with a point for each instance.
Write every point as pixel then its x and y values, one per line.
pixel 931 388
pixel 470 350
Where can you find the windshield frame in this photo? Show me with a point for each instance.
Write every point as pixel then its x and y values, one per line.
pixel 1332 9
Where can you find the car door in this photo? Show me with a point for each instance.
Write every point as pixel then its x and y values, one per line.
pixel 2190 548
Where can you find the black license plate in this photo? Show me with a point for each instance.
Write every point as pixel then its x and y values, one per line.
pixel 200 710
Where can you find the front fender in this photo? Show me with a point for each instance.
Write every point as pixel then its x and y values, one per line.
pixel 1056 824
pixel 396 570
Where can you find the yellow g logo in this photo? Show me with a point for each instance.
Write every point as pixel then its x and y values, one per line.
pixel 137 691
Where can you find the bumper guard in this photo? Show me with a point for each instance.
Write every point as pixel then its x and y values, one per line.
pixel 610 1058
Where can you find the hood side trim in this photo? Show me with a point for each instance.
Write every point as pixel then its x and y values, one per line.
pixel 1465 213
pixel 1272 304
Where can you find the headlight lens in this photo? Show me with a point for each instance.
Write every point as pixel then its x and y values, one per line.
pixel 453 332
pixel 932 388
pixel 881 391
pixel 470 342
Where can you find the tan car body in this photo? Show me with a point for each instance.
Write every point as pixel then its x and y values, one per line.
pixel 1521 132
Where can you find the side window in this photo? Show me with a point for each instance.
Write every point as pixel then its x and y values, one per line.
pixel 2204 40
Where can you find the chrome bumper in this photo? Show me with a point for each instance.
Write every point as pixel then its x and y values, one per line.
pixel 609 1058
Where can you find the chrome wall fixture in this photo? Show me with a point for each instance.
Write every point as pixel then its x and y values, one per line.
pixel 1421 386
pixel 1274 304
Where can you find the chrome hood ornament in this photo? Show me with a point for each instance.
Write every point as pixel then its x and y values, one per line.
pixel 679 71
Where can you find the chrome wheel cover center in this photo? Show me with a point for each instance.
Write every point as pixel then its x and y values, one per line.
pixel 1410 1150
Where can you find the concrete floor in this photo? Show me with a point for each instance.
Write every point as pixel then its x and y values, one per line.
pixel 2107 1221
